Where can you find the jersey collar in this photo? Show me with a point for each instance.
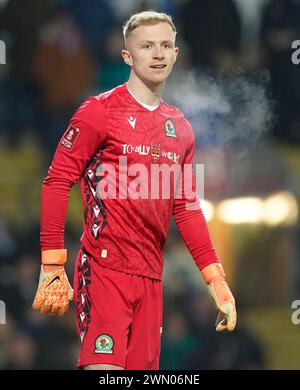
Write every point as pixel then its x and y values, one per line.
pixel 145 106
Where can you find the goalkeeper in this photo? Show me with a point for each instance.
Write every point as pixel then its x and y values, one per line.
pixel 118 272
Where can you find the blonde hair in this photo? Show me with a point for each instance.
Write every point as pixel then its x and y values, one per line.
pixel 146 18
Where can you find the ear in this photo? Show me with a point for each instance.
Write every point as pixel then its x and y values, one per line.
pixel 127 57
pixel 176 53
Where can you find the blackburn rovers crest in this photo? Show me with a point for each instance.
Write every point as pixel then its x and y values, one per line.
pixel 170 128
pixel 104 344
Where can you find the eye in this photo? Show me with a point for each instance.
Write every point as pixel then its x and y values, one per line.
pixel 167 45
pixel 146 46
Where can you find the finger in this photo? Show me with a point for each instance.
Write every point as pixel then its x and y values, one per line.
pixel 231 319
pixel 63 310
pixel 46 307
pixel 221 328
pixel 229 312
pixel 37 303
pixel 70 289
pixel 55 308
pixel 71 294
pixel 64 306
pixel 221 322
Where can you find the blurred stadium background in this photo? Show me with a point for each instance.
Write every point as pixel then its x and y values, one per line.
pixel 237 84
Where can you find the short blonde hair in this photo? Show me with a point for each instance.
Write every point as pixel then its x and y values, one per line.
pixel 146 18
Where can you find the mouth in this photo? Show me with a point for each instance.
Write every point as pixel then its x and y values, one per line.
pixel 158 66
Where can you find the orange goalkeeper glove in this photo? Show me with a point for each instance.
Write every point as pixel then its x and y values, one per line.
pixel 54 290
pixel 221 296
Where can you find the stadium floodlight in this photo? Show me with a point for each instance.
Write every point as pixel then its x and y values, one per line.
pixel 241 210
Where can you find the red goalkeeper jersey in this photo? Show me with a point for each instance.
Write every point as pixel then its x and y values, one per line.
pixel 107 137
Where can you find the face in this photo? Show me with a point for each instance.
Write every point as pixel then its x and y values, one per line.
pixel 151 52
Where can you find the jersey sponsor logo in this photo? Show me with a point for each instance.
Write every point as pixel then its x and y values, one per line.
pixel 155 151
pixel 132 121
pixel 173 156
pixel 69 138
pixel 142 150
pixel 104 344
pixel 170 128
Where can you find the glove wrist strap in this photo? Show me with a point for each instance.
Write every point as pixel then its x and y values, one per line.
pixel 54 257
pixel 212 272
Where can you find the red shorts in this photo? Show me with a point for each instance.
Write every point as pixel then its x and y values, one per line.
pixel 118 316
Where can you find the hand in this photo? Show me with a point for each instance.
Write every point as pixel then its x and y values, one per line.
pixel 54 290
pixel 221 296
pixel 224 302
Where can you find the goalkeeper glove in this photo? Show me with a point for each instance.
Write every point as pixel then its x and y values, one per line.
pixel 221 296
pixel 54 289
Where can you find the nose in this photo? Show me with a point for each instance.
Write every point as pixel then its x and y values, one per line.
pixel 158 54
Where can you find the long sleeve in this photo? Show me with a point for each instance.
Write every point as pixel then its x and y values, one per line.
pixel 77 146
pixel 190 220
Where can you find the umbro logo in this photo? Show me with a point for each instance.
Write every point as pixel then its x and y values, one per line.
pixel 132 121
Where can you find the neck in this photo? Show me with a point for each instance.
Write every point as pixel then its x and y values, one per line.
pixel 146 93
